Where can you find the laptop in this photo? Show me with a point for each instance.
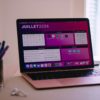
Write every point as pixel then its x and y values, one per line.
pixel 56 52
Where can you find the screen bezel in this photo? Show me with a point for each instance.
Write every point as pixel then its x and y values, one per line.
pixel 21 59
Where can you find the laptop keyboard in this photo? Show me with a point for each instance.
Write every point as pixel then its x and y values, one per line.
pixel 66 74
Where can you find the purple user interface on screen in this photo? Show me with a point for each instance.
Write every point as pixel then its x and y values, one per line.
pixel 55 44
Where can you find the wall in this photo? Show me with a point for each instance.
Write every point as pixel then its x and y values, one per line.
pixel 1 21
pixel 14 9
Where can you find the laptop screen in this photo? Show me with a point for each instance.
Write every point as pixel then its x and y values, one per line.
pixel 46 44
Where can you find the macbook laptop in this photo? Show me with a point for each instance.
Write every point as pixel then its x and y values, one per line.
pixel 56 52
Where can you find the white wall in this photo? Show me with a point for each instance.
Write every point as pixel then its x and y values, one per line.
pixel 14 9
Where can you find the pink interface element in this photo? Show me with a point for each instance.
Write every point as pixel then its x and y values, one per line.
pixel 59 39
pixel 74 54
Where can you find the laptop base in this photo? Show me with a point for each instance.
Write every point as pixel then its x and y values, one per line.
pixel 92 79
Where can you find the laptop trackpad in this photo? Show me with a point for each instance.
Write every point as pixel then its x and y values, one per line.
pixel 80 81
pixel 52 83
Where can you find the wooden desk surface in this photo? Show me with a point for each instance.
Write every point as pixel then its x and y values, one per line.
pixel 75 93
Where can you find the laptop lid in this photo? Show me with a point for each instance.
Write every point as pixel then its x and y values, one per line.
pixel 54 44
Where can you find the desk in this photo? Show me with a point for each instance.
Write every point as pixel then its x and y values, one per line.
pixel 75 93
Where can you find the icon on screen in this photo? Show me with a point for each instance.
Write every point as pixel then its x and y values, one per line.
pixel 87 62
pixel 49 64
pixel 53 35
pixel 57 35
pixel 45 65
pixel 27 66
pixel 34 65
pixel 78 51
pixel 70 51
pixel 42 65
pixel 74 51
pixel 62 36
pixel 38 65
pixel 31 66
pixel 56 64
